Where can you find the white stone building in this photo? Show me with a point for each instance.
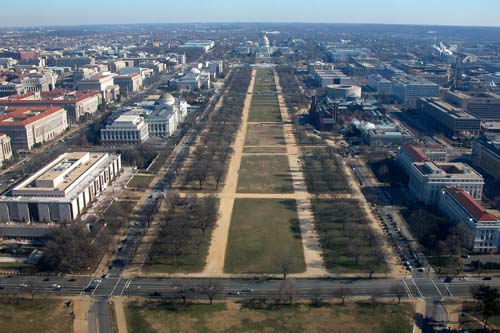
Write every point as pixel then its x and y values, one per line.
pixel 127 129
pixel 460 207
pixel 62 190
pixel 5 148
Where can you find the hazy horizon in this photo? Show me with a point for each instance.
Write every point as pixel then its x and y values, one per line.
pixel 480 13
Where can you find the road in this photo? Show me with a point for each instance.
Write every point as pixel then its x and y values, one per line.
pixel 422 287
pixel 99 316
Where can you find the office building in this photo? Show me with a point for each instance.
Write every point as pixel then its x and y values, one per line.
pixel 127 129
pixel 486 156
pixel 324 78
pixel 482 105
pixel 385 134
pixel 408 89
pixel 62 190
pixel 104 84
pixel 11 88
pixel 29 126
pixel 5 148
pixel 427 179
pixel 205 45
pixel 460 207
pixel 129 83
pixel 409 154
pixel 380 84
pixel 77 104
pixel 448 119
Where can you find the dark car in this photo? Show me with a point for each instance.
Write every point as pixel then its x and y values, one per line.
pixel 71 280
pixel 88 288
pixel 487 278
pixel 448 279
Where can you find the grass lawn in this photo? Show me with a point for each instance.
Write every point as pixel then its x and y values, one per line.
pixel 230 317
pixel 190 261
pixel 140 181
pixel 119 208
pixel 474 310
pixel 264 150
pixel 38 315
pixel 263 233
pixel 264 114
pixel 264 174
pixel 344 235
pixel 265 135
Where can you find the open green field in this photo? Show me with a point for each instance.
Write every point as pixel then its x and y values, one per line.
pixel 264 150
pixel 264 174
pixel 264 108
pixel 355 317
pixel 265 135
pixel 264 233
pixel 140 181
pixel 349 245
pixel 38 315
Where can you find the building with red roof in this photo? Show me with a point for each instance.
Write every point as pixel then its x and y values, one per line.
pixel 409 154
pixel 77 104
pixel 27 126
pixel 458 205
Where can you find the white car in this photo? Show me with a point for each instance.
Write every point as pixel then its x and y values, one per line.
pixel 56 286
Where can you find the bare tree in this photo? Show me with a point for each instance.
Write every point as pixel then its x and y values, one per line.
pixel 316 293
pixel 342 293
pixel 218 172
pixel 210 289
pixel 398 291
pixel 200 172
pixel 173 198
pixel 286 263
pixel 288 290
pixel 181 290
pixel 208 213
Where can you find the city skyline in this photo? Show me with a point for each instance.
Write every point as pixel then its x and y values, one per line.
pixel 425 12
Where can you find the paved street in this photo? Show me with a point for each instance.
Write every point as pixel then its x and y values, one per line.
pixel 115 286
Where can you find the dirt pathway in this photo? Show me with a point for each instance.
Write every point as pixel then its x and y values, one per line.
pixel 121 319
pixel 81 306
pixel 217 251
pixel 313 253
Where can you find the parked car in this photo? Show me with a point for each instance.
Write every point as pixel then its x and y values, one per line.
pixel 233 293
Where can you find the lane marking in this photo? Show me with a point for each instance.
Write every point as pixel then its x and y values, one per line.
pixel 410 295
pixel 114 287
pixel 127 284
pixel 422 296
pixel 435 286
pixel 448 289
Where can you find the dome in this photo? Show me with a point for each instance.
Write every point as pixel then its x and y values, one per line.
pixel 194 70
pixel 265 41
pixel 168 99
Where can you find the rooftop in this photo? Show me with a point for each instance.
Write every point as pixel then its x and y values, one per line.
pixel 472 206
pixel 21 116
pixel 447 108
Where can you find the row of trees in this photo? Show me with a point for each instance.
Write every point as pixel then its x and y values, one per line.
pixel 294 98
pixel 185 230
pixel 72 248
pixel 323 173
pixel 211 155
pixel 346 237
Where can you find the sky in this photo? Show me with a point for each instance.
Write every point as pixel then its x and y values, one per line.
pixel 74 12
